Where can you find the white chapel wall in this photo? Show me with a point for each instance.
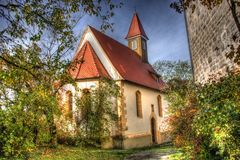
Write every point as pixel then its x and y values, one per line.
pixel 136 125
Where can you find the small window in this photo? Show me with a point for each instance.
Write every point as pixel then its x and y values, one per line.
pixel 69 102
pixel 134 44
pixel 160 109
pixel 152 107
pixel 139 104
pixel 144 44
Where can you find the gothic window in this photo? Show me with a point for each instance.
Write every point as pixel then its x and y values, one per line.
pixel 86 99
pixel 160 109
pixel 69 101
pixel 134 44
pixel 139 104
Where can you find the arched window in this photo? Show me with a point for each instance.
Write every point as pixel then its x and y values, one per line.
pixel 160 109
pixel 69 101
pixel 85 105
pixel 139 104
pixel 134 44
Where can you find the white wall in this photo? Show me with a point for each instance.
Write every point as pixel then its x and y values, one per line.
pixel 135 125
pixel 83 84
pixel 89 84
pixel 138 125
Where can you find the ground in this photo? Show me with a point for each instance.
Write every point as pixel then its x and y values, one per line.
pixel 167 152
pixel 76 153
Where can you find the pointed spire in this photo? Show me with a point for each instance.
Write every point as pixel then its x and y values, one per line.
pixel 136 28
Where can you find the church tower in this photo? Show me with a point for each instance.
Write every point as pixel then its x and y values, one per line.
pixel 137 38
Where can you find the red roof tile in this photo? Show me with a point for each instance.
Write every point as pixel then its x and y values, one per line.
pixel 127 62
pixel 136 28
pixel 87 65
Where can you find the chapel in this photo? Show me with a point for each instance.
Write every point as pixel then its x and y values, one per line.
pixel 142 108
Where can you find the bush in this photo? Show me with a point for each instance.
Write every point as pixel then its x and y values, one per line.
pixel 16 137
pixel 205 119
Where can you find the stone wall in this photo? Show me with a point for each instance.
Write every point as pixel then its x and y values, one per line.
pixel 210 32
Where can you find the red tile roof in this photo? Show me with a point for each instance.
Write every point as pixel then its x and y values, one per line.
pixel 136 28
pixel 87 65
pixel 127 62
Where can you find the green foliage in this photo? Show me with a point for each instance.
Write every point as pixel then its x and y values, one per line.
pixel 27 99
pixel 16 136
pixel 35 38
pixel 205 119
pixel 182 5
pixel 173 70
pixel 97 108
pixel 218 117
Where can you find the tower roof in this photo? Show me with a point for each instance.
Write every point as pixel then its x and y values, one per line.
pixel 136 28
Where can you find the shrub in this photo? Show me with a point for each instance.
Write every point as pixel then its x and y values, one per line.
pixel 205 119
pixel 16 137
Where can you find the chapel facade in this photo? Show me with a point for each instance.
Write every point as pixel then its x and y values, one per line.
pixel 142 108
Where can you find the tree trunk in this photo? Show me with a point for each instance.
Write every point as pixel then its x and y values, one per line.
pixel 52 129
pixel 53 132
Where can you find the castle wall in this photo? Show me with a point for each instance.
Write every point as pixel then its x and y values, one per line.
pixel 210 32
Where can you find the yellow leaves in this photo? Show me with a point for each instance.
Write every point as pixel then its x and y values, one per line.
pixel 178 113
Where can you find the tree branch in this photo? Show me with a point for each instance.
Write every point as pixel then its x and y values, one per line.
pixel 20 67
pixel 232 6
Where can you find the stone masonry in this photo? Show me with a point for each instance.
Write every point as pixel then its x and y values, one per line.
pixel 210 32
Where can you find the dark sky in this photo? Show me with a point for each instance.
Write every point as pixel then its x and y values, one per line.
pixel 165 28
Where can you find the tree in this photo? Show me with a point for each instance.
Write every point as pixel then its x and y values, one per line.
pixel 35 38
pixel 170 70
pixel 182 5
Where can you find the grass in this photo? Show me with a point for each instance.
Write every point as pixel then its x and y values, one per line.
pixel 77 153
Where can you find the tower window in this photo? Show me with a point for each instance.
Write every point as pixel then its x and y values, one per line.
pixel 134 44
pixel 139 104
pixel 144 45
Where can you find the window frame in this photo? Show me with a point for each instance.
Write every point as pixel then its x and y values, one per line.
pixel 134 44
pixel 69 102
pixel 160 108
pixel 144 45
pixel 139 104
